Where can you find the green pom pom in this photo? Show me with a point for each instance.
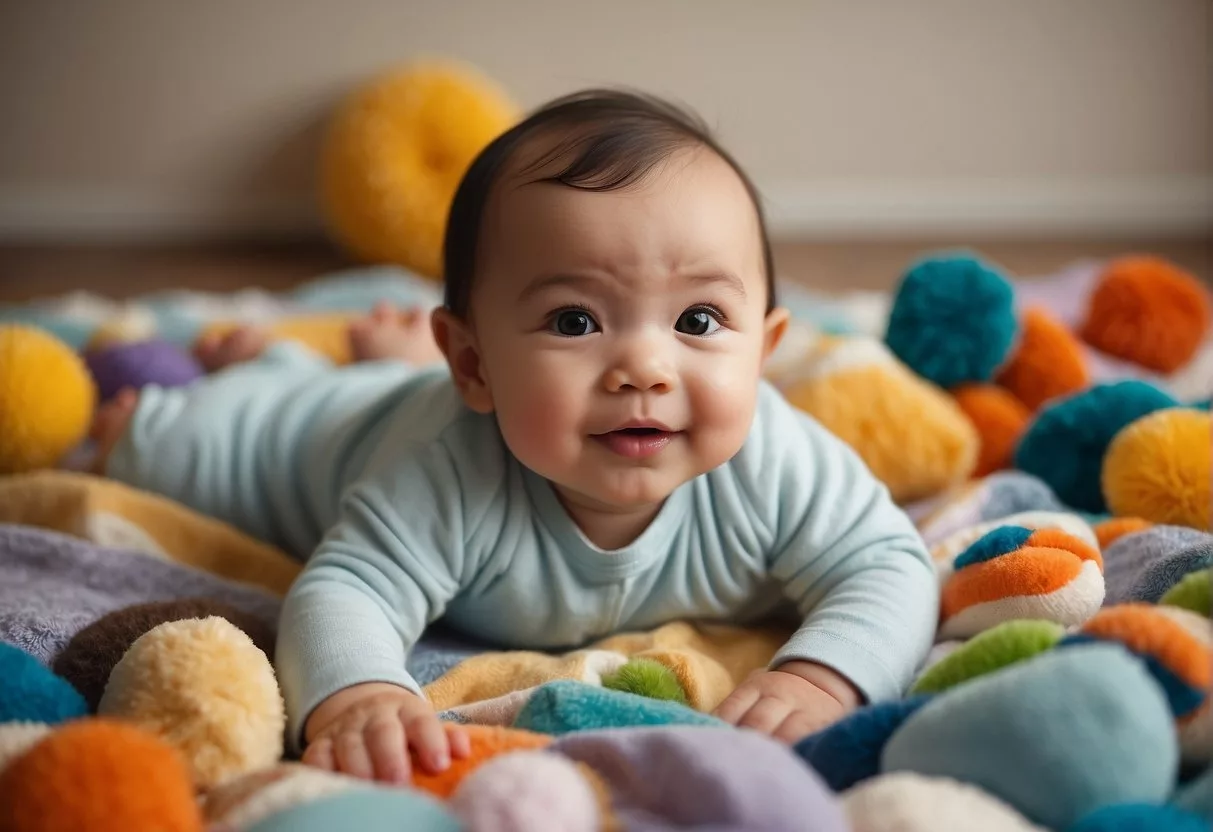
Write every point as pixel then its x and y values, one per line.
pixel 997 647
pixel 646 677
pixel 1191 593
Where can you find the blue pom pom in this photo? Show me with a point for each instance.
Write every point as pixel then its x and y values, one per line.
pixel 31 693
pixel 953 320
pixel 1066 443
pixel 1140 817
pixel 849 751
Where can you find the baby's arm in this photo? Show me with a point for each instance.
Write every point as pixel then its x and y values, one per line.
pixel 858 572
pixel 385 571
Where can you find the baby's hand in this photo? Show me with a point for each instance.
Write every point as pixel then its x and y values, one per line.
pixel 366 731
pixel 790 702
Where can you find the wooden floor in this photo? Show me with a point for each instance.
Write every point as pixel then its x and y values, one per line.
pixel 123 271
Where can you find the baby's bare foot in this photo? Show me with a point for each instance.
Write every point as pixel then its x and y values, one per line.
pixel 218 350
pixel 391 333
pixel 109 425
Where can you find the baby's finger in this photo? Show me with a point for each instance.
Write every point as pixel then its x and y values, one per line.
pixel 796 727
pixel 352 758
pixel 765 716
pixel 320 754
pixel 429 740
pixel 460 742
pixel 388 751
pixel 736 705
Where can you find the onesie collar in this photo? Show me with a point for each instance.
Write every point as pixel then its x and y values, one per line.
pixel 603 566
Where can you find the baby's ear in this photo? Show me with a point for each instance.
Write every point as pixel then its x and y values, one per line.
pixel 458 343
pixel 774 327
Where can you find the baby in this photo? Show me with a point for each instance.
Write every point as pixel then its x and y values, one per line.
pixel 597 453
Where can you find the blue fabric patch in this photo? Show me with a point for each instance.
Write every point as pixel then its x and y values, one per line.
pixel 848 752
pixel 1181 697
pixel 993 544
pixel 1140 817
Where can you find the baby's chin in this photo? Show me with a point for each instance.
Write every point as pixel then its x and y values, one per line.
pixel 622 493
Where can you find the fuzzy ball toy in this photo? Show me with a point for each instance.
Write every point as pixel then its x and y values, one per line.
pixel 944 551
pixel 1160 468
pixel 101 776
pixel 953 320
pixel 647 677
pixel 1148 311
pixel 1066 443
pixel 1175 645
pixel 1016 572
pixel 848 752
pixel 531 791
pixel 90 656
pixel 911 435
pixel 18 737
pixel 993 649
pixel 1056 737
pixel 1047 363
pixel 247 800
pixel 31 693
pixel 395 153
pixel 1000 419
pixel 908 802
pixel 140 363
pixel 1191 593
pixel 204 687
pixel 566 706
pixel 46 399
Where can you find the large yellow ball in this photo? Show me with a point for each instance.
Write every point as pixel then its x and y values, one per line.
pixel 395 154
pixel 46 399
pixel 1159 467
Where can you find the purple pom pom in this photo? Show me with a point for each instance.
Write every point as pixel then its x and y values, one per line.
pixel 141 363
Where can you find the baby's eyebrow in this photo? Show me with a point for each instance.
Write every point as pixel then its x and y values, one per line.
pixel 727 280
pixel 581 282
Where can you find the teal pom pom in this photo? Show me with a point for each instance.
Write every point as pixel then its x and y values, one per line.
pixel 1140 817
pixel 647 677
pixel 365 809
pixel 953 320
pixel 31 693
pixel 1066 443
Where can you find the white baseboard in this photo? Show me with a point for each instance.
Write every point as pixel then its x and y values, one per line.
pixel 1025 208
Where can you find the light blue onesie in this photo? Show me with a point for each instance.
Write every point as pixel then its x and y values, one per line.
pixel 412 508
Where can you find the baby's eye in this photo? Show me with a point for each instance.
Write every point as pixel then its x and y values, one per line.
pixel 698 320
pixel 573 323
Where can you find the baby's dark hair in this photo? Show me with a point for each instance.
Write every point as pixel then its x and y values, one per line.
pixel 613 139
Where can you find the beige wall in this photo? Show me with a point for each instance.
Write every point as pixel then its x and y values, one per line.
pixel 172 116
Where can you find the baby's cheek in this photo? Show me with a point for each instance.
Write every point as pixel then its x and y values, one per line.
pixel 539 429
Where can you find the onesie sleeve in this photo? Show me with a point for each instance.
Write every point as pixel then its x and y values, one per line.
pixel 387 569
pixel 847 555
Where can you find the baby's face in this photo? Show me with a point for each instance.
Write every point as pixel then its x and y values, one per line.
pixel 621 335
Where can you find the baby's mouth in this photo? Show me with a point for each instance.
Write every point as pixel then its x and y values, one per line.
pixel 637 442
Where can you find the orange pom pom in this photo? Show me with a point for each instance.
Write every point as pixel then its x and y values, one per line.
pixel 1000 419
pixel 1148 311
pixel 1048 362
pixel 102 776
pixel 1110 531
pixel 487 742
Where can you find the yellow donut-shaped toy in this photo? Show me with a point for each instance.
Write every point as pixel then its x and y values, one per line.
pixel 395 154
pixel 46 399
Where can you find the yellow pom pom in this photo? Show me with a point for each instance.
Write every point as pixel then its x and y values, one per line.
pixel 396 153
pixel 201 685
pixel 911 434
pixel 1159 467
pixel 46 399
